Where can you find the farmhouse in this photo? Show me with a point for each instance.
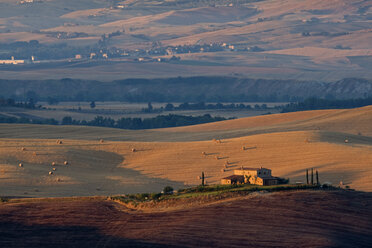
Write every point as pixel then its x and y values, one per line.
pixel 257 176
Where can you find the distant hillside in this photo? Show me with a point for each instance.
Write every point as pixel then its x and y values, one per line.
pixel 192 89
pixel 281 39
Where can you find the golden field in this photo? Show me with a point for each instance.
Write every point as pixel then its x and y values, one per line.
pixel 286 143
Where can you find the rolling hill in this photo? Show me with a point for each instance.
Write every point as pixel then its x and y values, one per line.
pixel 291 219
pixel 286 143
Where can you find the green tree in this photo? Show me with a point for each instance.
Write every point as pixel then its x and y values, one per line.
pixel 168 190
pixel 92 104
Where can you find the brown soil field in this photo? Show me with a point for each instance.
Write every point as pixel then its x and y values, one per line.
pixel 290 219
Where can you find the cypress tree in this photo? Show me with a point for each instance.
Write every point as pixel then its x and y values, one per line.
pixel 312 176
pixel 317 178
pixel 203 178
pixel 307 176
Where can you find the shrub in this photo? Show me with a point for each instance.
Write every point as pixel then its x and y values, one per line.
pixel 168 190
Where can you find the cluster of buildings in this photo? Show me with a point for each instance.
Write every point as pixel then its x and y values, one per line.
pixel 12 61
pixel 257 176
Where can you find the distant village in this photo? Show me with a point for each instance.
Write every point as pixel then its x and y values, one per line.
pixel 157 53
pixel 103 51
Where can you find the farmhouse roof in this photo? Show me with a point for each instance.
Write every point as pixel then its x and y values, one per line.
pixel 234 177
pixel 252 168
pixel 268 177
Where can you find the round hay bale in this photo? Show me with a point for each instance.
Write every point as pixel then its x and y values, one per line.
pixel 34 154
pixel 54 169
pixel 346 141
pixel 199 177
pixel 59 180
pixel 23 149
pixel 133 150
pixel 53 163
pixel 101 141
pixel 203 153
pixel 20 165
pixel 59 142
pixel 50 172
pixel 217 158
pixel 223 170
pixel 65 163
pixel 243 148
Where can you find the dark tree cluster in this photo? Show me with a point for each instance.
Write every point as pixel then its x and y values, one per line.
pixel 204 106
pixel 318 103
pixel 160 121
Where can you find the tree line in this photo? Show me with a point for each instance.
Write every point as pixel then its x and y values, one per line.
pixel 314 103
pixel 161 121
pixel 204 106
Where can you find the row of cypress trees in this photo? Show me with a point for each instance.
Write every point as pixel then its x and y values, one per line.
pixel 311 181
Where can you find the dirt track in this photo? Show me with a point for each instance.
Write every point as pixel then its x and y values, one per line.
pixel 291 219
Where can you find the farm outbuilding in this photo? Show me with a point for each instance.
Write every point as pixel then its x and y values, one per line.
pixel 233 179
pixel 263 180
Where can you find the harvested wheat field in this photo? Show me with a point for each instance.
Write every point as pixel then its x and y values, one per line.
pixel 303 219
pixel 103 161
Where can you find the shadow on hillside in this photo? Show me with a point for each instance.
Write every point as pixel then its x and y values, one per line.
pixel 13 234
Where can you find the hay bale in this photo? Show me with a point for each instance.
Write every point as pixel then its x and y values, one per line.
pixel 50 172
pixel 23 149
pixel 101 141
pixel 133 150
pixel 34 154
pixel 217 158
pixel 204 153
pixel 223 170
pixel 59 142
pixel 65 163
pixel 54 169
pixel 20 165
pixel 53 163
pixel 243 148
pixel 346 141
